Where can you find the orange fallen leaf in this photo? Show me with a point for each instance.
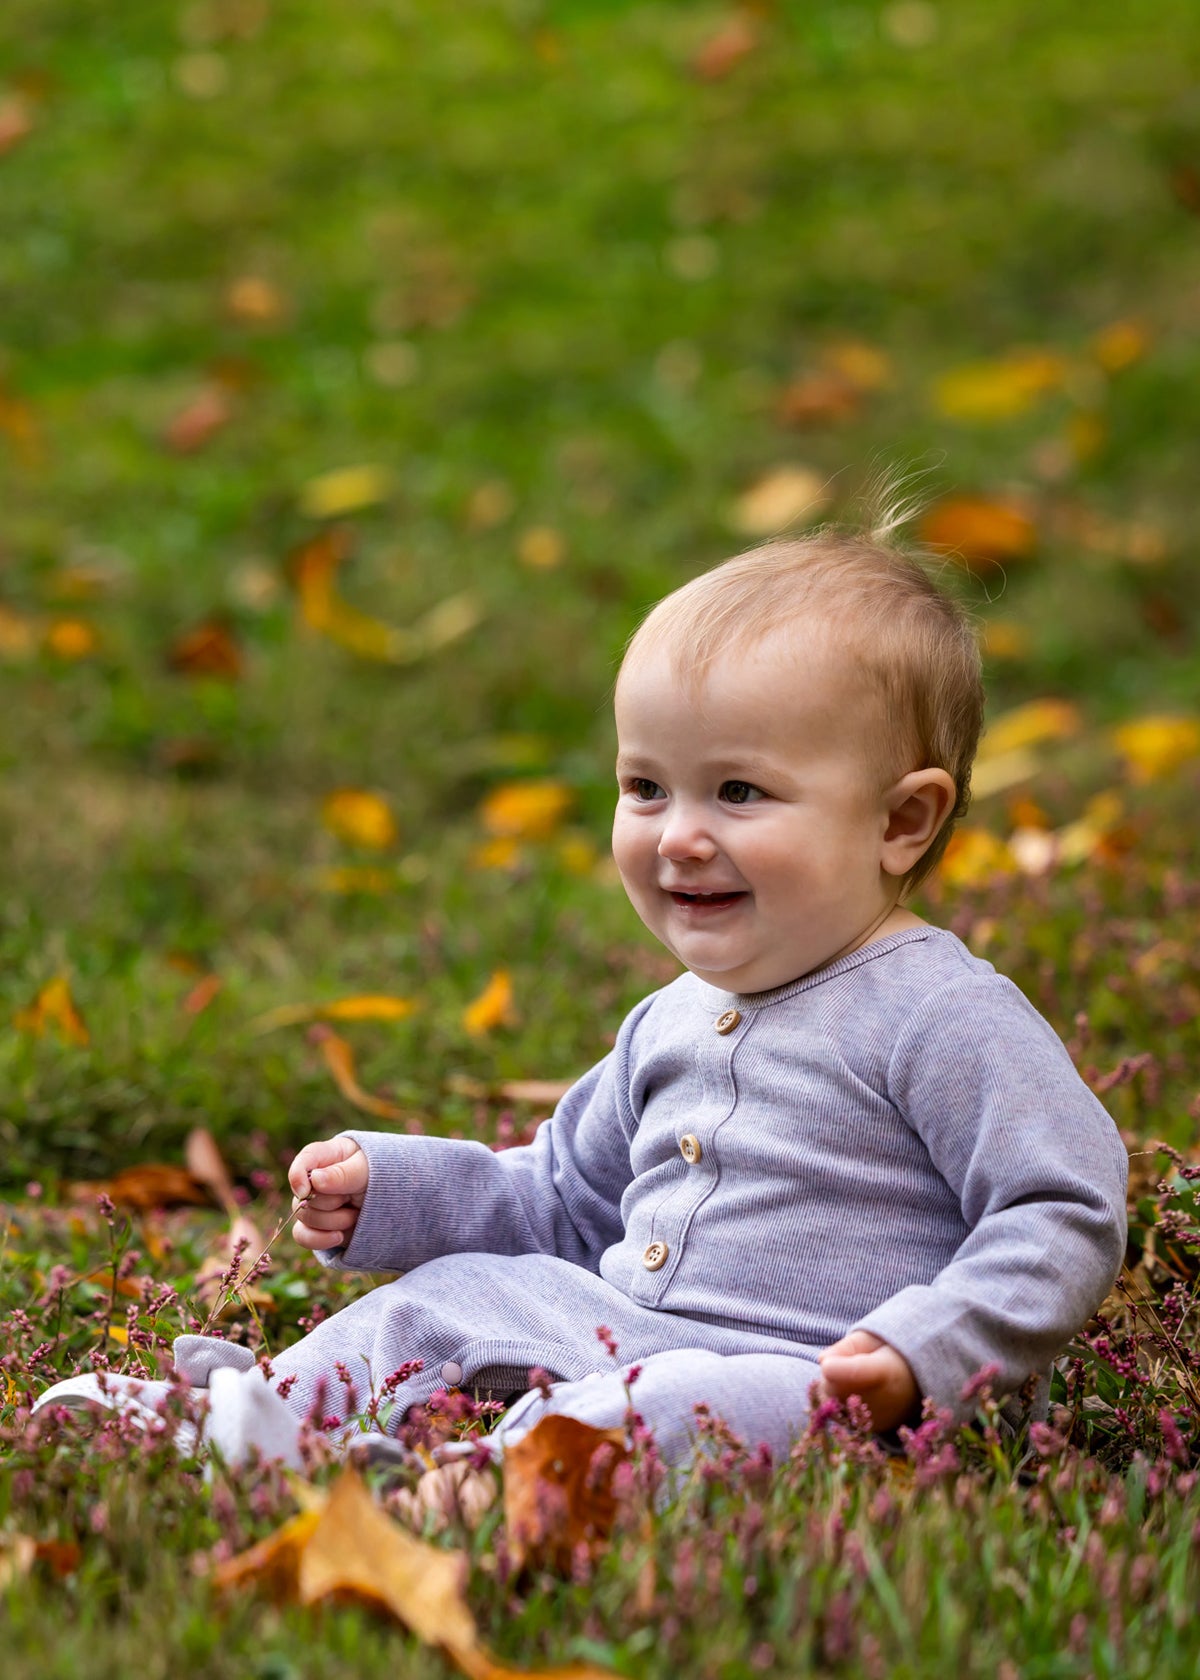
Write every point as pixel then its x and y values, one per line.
pixel 863 365
pixel 202 994
pixel 18 636
pixel 975 857
pixel 974 530
pixel 361 817
pixel 345 879
pixel 558 1490
pixel 71 638
pixel 1029 725
pixel 199 420
pixel 206 1164
pixel 19 1553
pixel 368 1006
pixel 778 499
pixel 493 1007
pixel 16 122
pixel 1000 389
pixel 339 1059
pixel 503 852
pixel 530 810
pixel 151 1184
pixel 209 649
pixel 344 1545
pixel 1004 639
pixel 18 423
pixel 721 54
pixel 820 398
pixel 244 1241
pixel 1157 745
pixel 1120 344
pixel 255 301
pixel 53 1007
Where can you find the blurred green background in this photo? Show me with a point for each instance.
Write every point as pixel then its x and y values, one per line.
pixel 549 289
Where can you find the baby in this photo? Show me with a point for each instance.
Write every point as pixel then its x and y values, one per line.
pixel 838 1149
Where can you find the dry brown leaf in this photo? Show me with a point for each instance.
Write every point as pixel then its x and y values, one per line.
pixel 547 1091
pixel 210 649
pixel 19 1553
pixel 53 1007
pixel 820 398
pixel 558 1490
pixel 339 1059
pixel 208 412
pixel 274 1563
pixel 245 1240
pixel 152 1184
pixel 977 531
pixel 723 52
pixel 207 1166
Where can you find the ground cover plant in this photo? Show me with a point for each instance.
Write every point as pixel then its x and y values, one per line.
pixel 363 376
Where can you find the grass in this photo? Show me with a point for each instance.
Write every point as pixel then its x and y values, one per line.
pixel 525 260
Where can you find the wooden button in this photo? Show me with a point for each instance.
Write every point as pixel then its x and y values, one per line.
pixel 655 1256
pixel 727 1020
pixel 689 1148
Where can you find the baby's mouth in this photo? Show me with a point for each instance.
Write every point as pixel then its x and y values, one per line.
pixel 707 901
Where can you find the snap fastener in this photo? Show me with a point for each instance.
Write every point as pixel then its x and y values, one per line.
pixel 727 1020
pixel 689 1148
pixel 655 1256
pixel 452 1373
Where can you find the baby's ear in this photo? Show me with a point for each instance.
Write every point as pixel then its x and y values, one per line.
pixel 917 806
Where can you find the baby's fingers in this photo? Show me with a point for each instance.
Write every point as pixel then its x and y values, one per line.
pixel 324 1230
pixel 853 1373
pixel 323 1154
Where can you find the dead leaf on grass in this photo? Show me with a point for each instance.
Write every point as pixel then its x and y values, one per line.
pixel 778 499
pixel 360 816
pixel 152 1184
pixel 721 54
pixel 493 1007
pixel 1030 725
pixel 369 1006
pixel 16 121
pixel 1000 389
pixel 70 639
pixel 53 1007
pixel 976 530
pixel 19 1553
pixel 209 649
pixel 199 420
pixel 531 810
pixel 346 490
pixel 1157 745
pixel 207 1166
pixel 558 1490
pixel 339 1059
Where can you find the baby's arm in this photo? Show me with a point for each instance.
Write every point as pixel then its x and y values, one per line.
pixel 330 1179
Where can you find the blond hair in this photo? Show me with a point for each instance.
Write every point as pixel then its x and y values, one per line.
pixel 912 643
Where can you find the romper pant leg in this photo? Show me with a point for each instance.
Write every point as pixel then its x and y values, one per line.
pixel 763 1397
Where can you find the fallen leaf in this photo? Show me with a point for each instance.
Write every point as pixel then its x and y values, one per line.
pixel 208 650
pixel 53 1007
pixel 1004 639
pixel 493 1007
pixel 504 852
pixel 490 504
pixel 1086 435
pixel 545 1092
pixel 974 530
pixel 530 810
pixel 1157 745
pixel 558 1490
pixel 1029 725
pixel 1120 344
pixel 71 639
pixel 346 490
pixel 254 301
pixel 779 499
pixel 18 636
pixel 1005 770
pixel 206 1164
pixel 864 365
pixel 355 880
pixel 577 855
pixel 541 548
pixel 344 1545
pixel 821 398
pixel 724 51
pixel 974 857
pixel 1091 834
pixel 1000 389
pixel 18 423
pixel 369 1006
pixel 446 622
pixel 361 817
pixel 339 1059
pixel 19 1553
pixel 244 1240
pixel 16 122
pixel 202 994
pixel 199 420
pixel 151 1184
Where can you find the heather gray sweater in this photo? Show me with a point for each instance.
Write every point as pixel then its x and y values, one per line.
pixel 897 1143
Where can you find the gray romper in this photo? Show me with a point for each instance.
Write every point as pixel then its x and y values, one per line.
pixel 898 1143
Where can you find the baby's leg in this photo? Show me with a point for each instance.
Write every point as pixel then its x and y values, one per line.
pixel 763 1397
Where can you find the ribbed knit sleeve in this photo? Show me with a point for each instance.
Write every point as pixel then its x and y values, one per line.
pixel 1040 1172
pixel 560 1194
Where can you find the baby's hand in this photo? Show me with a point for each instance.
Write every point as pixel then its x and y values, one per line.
pixel 333 1176
pixel 862 1364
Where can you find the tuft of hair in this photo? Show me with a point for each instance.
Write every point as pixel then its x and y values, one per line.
pixel 911 646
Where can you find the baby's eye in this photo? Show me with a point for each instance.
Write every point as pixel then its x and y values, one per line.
pixel 641 787
pixel 739 793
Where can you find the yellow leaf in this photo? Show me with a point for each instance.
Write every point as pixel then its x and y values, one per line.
pixel 1081 839
pixel 448 622
pixel 345 491
pixel 119 1334
pixel 71 638
pixel 1087 433
pixel 999 389
pixel 864 365
pixel 1029 725
pixel 1120 344
pixel 350 880
pixel 1003 639
pixel 1002 771
pixel 369 1006
pixel 530 810
pixel 779 499
pixel 53 1007
pixel 493 1007
pixel 577 855
pixel 339 1059
pixel 974 857
pixel 541 548
pixel 1156 746
pixel 275 1561
pixel 361 817
pixel 501 853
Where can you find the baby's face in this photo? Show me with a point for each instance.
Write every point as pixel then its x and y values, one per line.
pixel 749 825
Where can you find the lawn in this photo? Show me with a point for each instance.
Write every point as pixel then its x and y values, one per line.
pixel 364 376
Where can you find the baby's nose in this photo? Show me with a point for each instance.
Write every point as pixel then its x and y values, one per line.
pixel 685 835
